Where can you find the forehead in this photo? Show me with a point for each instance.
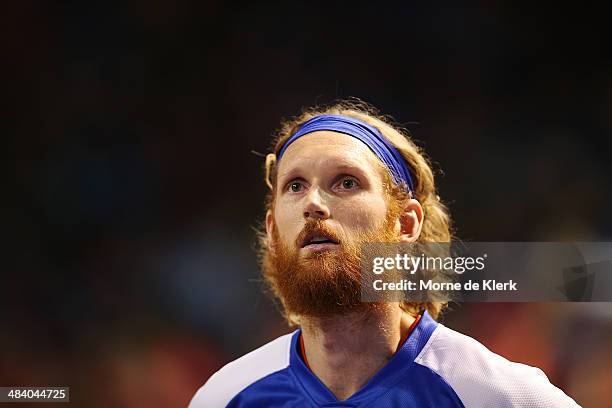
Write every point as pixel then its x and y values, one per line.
pixel 325 148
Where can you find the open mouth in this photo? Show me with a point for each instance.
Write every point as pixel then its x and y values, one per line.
pixel 318 241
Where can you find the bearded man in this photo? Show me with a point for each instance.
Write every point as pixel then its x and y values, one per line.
pixel 340 177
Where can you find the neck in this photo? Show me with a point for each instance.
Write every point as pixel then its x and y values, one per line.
pixel 335 346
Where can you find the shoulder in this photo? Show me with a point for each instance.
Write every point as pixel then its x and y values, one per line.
pixel 483 378
pixel 237 375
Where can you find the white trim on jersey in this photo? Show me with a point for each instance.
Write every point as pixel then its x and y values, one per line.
pixel 482 378
pixel 234 377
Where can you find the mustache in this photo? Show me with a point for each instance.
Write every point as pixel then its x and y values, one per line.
pixel 316 227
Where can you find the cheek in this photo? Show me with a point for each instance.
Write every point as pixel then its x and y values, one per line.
pixel 363 214
pixel 287 222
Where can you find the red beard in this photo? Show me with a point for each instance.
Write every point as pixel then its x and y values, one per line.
pixel 326 283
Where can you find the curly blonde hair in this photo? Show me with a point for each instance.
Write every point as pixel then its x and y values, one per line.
pixel 436 219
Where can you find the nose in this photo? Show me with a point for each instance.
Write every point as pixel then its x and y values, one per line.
pixel 315 206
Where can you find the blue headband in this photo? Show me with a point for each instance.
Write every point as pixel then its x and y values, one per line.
pixel 367 134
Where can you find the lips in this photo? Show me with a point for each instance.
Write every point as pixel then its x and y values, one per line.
pixel 318 238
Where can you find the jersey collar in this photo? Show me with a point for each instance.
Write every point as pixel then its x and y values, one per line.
pixel 395 369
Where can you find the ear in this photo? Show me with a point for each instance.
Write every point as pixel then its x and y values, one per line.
pixel 411 221
pixel 269 229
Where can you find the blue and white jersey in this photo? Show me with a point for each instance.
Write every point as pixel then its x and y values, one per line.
pixel 436 367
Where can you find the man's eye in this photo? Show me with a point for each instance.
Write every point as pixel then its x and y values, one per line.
pixel 295 187
pixel 349 183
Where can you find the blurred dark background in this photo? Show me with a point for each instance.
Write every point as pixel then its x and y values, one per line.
pixel 128 216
